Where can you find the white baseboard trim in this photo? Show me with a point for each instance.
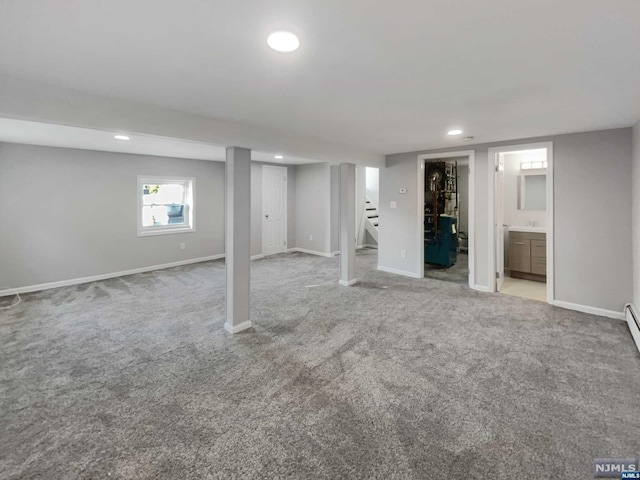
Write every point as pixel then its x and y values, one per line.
pixel 257 257
pixel 312 252
pixel 631 314
pixel 587 309
pixel 481 288
pixel 398 272
pixel 105 276
pixel 346 283
pixel 238 328
pixel 367 245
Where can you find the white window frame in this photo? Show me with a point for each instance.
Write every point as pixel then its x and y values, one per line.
pixel 189 208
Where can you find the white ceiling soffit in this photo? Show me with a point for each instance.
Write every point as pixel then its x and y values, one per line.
pixel 381 77
pixel 46 134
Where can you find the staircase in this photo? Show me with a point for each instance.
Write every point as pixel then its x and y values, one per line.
pixel 371 219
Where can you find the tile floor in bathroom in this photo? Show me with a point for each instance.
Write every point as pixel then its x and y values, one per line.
pixel 524 288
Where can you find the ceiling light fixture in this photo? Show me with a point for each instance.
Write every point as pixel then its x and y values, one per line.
pixel 467 139
pixel 278 157
pixel 533 165
pixel 283 41
pixel 121 137
pixel 455 131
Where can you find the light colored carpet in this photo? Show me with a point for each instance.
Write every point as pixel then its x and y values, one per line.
pixel 393 378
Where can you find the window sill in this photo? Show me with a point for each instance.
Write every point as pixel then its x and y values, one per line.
pixel 164 231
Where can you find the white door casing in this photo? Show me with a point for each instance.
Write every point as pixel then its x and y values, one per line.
pixel 274 209
pixel 499 220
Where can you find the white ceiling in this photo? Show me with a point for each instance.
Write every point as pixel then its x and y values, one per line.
pixel 35 133
pixel 382 77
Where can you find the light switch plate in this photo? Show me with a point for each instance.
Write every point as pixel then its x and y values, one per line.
pixel 393 205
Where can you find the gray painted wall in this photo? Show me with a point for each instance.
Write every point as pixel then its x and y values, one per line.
pixel 57 235
pixel 51 228
pixel 256 205
pixel 592 222
pixel 636 215
pixel 313 207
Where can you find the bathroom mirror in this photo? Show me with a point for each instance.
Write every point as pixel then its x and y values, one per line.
pixel 532 192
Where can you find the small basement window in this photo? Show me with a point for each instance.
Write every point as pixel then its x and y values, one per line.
pixel 165 205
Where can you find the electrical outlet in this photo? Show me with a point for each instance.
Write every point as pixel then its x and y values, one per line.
pixel 311 238
pixel 183 246
pixel 403 253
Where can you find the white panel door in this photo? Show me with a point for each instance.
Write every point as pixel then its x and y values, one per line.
pixel 274 210
pixel 499 217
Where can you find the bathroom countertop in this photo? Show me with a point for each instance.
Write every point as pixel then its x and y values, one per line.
pixel 515 228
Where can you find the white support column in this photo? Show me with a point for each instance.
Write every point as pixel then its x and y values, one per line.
pixel 237 237
pixel 347 224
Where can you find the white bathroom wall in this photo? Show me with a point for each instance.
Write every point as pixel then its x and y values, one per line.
pixel 512 215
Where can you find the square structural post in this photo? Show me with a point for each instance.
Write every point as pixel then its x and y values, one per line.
pixel 347 224
pixel 238 238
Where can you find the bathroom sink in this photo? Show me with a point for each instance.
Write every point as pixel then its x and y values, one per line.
pixel 515 228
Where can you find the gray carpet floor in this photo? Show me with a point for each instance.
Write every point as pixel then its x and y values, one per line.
pixel 457 273
pixel 394 378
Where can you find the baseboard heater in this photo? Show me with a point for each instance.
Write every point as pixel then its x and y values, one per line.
pixel 634 325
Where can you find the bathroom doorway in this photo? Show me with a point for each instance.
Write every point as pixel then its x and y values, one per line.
pixel 521 221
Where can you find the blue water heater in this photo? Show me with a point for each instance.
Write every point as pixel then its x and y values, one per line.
pixel 441 246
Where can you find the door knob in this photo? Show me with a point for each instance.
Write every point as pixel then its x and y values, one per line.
pixel 266 216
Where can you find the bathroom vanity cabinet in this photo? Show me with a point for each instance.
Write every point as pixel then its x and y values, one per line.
pixel 528 255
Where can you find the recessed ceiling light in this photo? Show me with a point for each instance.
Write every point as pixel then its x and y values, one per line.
pixel 121 137
pixel 278 157
pixel 455 131
pixel 283 41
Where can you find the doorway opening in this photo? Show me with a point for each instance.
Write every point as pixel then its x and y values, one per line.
pixel 445 191
pixel 367 207
pixel 521 219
